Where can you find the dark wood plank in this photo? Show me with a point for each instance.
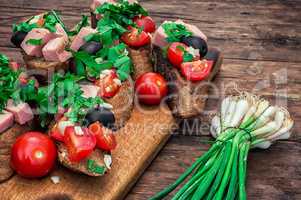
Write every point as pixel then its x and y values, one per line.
pixel 272 174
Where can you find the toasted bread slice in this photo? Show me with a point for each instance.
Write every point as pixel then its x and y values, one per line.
pixel 141 58
pixel 43 69
pixel 123 103
pixel 186 99
pixel 97 157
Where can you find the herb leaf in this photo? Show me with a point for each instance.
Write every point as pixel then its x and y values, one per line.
pixel 94 168
pixel 175 31
pixel 35 42
pixel 83 23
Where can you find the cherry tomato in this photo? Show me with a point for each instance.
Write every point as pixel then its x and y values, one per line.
pixel 151 88
pixel 105 139
pixel 58 130
pixel 196 70
pixel 80 143
pixel 175 53
pixel 146 22
pixel 33 155
pixel 135 39
pixel 109 84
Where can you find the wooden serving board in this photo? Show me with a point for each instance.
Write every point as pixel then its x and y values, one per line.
pixel 138 142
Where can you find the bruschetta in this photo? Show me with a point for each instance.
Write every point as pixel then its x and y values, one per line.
pixel 43 39
pixel 181 55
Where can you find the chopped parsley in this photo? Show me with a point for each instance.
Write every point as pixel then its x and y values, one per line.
pixel 8 81
pixel 35 42
pixel 175 31
pixel 187 57
pixel 94 168
pixel 106 58
pixel 50 20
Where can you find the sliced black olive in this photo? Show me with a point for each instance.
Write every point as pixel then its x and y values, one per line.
pixel 196 43
pixel 18 37
pixel 91 47
pixel 72 65
pixel 103 115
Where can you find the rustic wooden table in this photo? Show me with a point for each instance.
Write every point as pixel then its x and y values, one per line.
pixel 261 42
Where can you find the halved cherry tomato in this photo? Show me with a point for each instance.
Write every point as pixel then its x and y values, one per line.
pixel 146 22
pixel 105 139
pixel 108 84
pixel 135 39
pixel 196 70
pixel 58 130
pixel 175 53
pixel 80 143
pixel 33 155
pixel 151 88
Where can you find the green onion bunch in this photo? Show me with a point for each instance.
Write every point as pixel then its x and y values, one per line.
pixel 244 122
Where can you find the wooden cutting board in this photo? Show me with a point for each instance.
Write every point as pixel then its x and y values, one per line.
pixel 138 142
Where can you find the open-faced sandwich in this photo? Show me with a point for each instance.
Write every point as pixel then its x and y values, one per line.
pixel 133 25
pixel 181 55
pixel 43 39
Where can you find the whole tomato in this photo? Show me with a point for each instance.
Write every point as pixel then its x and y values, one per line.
pixel 145 22
pixel 151 88
pixel 33 155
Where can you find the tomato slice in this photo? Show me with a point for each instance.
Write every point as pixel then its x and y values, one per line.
pixel 145 22
pixel 80 143
pixel 58 130
pixel 109 84
pixel 135 39
pixel 175 53
pixel 105 139
pixel 196 70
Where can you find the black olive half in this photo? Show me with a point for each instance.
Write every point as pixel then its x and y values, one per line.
pixel 72 65
pixel 103 115
pixel 18 37
pixel 91 47
pixel 196 43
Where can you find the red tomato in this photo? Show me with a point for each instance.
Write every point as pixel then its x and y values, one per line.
pixel 134 39
pixel 146 22
pixel 196 70
pixel 108 87
pixel 105 139
pixel 58 130
pixel 175 53
pixel 33 155
pixel 80 143
pixel 151 88
pixel 56 134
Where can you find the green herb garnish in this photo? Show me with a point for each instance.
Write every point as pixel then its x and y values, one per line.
pixel 35 42
pixel 94 168
pixel 83 23
pixel 175 31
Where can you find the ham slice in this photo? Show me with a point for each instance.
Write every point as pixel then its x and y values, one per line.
pixel 79 38
pixel 90 91
pixel 159 38
pixel 60 32
pixel 36 33
pixel 22 112
pixel 54 50
pixel 6 120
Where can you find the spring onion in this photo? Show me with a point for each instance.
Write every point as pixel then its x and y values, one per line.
pixel 244 122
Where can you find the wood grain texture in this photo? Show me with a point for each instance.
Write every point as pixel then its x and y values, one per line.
pixel 257 38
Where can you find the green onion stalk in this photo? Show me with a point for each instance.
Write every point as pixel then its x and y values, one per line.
pixel 244 122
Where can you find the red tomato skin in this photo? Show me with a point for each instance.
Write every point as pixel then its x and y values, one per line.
pixel 196 76
pixel 108 81
pixel 79 146
pixel 146 22
pixel 151 88
pixel 133 39
pixel 105 139
pixel 33 155
pixel 175 55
